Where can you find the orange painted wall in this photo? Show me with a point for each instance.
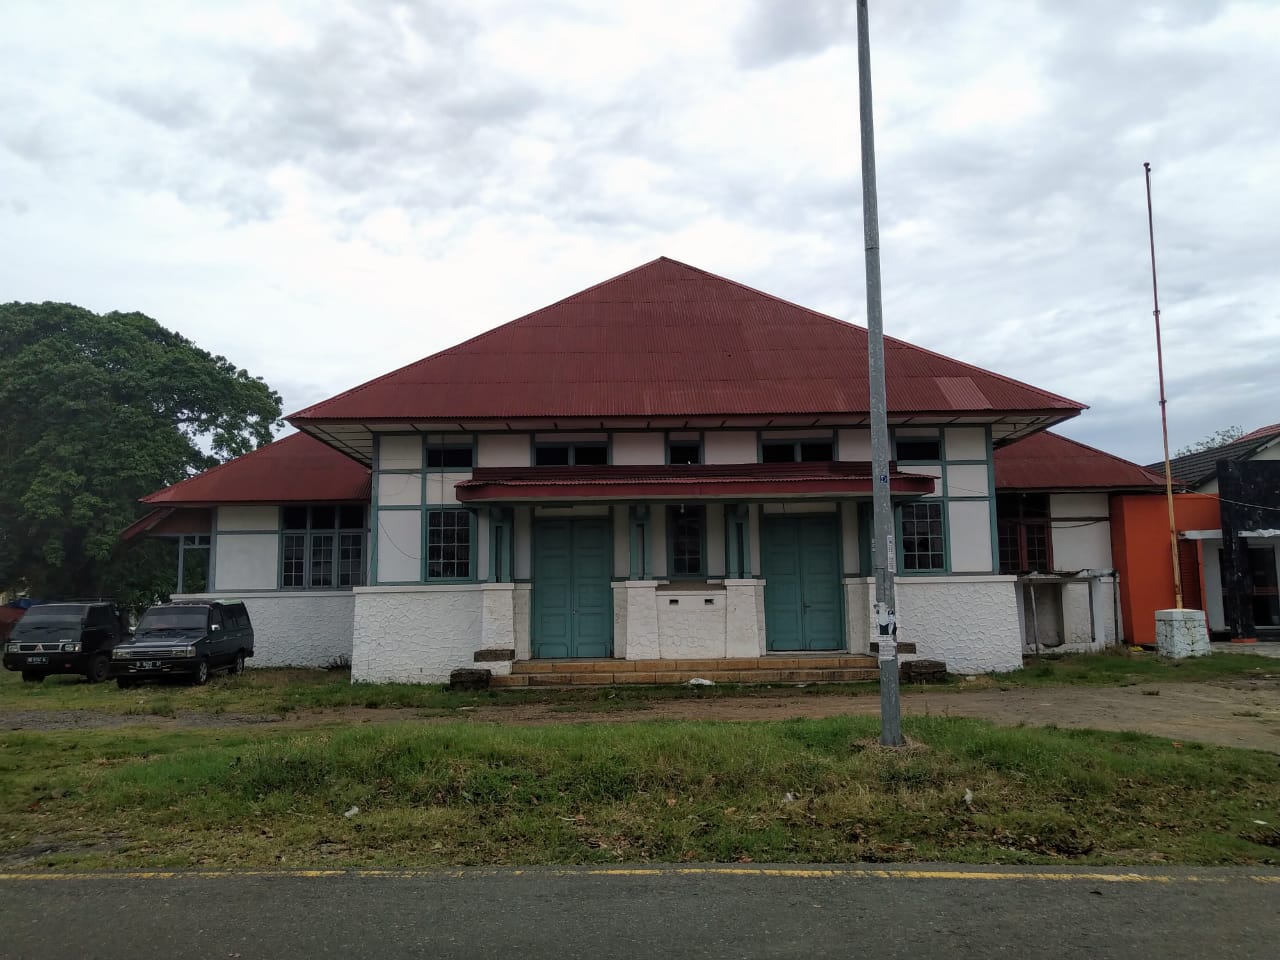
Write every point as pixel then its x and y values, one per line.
pixel 1140 552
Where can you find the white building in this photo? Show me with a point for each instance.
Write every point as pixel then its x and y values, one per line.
pixel 666 469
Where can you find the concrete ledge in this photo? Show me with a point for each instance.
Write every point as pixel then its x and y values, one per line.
pixel 495 655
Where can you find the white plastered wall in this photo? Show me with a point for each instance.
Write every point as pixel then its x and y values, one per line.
pixel 303 628
pixel 638 449
pixel 399 546
pixel 400 453
pixel 966 443
pixel 416 634
pixel 729 446
pixel 969 523
pixel 246 561
pixel 853 444
pixel 1213 584
pixel 503 450
pixel 399 489
pixel 248 518
pixel 969 623
pixel 1081 541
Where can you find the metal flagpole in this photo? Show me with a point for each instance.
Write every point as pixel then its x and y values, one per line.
pixel 884 555
pixel 1164 418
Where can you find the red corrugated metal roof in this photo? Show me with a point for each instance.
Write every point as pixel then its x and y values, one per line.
pixel 1047 461
pixel 679 481
pixel 295 469
pixel 667 339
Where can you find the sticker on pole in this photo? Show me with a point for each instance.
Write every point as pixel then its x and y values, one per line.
pixel 891 554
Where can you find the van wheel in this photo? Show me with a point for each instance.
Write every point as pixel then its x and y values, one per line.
pixel 202 673
pixel 237 665
pixel 30 676
pixel 99 669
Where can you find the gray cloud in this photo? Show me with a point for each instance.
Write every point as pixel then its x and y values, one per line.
pixel 779 30
pixel 1010 142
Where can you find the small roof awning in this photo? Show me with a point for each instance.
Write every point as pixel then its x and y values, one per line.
pixel 755 481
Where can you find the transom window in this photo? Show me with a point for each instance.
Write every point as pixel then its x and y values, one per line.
pixel 322 547
pixel 570 454
pixel 448 545
pixel 923 537
pixel 918 448
pixel 686 532
pixel 449 456
pixel 796 451
pixel 684 448
pixel 1023 525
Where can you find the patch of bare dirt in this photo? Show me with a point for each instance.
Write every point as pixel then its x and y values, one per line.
pixel 1234 714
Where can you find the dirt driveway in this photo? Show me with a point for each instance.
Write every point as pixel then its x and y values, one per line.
pixel 1238 713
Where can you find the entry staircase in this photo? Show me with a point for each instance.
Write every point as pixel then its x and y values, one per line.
pixel 826 668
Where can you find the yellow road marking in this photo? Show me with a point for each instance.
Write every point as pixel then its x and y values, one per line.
pixel 799 873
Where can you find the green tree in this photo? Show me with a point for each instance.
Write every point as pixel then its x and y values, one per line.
pixel 95 412
pixel 1218 438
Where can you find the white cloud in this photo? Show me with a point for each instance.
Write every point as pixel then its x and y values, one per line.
pixel 323 193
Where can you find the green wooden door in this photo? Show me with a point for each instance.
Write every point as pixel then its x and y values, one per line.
pixel 572 597
pixel 801 566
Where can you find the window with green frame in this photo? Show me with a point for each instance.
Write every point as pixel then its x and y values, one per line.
pixel 581 454
pixel 449 537
pixel 923 540
pixel 684 448
pixel 449 453
pixel 322 547
pixel 686 540
pixel 816 450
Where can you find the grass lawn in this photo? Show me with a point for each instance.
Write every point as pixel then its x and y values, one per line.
pixel 281 691
pixel 793 791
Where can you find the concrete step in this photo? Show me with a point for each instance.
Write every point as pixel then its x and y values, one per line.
pixel 600 678
pixel 771 663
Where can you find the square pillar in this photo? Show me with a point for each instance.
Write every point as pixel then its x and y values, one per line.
pixel 641 619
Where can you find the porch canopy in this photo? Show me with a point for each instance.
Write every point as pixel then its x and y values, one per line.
pixel 681 482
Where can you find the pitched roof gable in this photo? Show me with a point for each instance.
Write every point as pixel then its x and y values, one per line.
pixel 668 339
pixel 295 469
pixel 1049 461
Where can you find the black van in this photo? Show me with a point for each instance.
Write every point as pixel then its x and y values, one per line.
pixel 72 637
pixel 186 639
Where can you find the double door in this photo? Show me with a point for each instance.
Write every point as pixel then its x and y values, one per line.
pixel 800 557
pixel 572 614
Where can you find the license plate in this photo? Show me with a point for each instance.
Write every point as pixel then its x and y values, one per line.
pixel 37 659
pixel 149 664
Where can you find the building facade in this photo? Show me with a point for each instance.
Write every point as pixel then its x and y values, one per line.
pixel 667 466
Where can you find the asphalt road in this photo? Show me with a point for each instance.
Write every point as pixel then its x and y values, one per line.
pixel 857 912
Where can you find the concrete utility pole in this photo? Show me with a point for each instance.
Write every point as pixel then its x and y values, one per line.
pixel 883 554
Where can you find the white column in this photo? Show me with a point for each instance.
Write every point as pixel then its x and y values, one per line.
pixel 497 623
pixel 642 620
pixel 744 628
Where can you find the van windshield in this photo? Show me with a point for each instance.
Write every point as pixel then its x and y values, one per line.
pixel 174 618
pixel 49 617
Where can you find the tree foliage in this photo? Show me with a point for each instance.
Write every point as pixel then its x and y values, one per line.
pixel 95 412
pixel 1218 438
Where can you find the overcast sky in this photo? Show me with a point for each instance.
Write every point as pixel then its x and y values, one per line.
pixel 325 191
